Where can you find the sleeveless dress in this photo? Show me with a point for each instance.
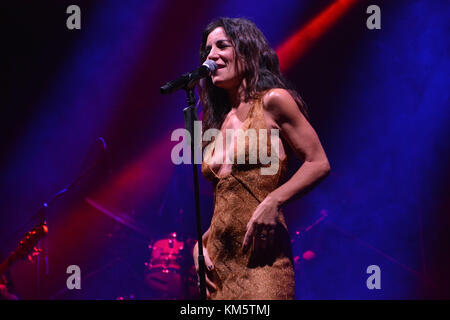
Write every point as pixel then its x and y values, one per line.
pixel 239 275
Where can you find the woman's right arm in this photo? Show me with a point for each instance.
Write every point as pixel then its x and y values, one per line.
pixel 206 236
pixel 208 263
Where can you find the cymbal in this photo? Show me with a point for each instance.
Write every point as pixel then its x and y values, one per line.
pixel 122 218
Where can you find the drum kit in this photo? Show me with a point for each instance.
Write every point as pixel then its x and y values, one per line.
pixel 169 272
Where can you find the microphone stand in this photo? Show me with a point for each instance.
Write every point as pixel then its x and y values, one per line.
pixel 41 214
pixel 189 117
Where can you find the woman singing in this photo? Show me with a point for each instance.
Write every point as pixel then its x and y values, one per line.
pixel 247 247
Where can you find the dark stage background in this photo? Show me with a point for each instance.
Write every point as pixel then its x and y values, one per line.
pixel 377 98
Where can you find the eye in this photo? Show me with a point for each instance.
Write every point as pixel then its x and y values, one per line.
pixel 222 44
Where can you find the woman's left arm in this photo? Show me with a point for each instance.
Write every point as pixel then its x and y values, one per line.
pixel 303 140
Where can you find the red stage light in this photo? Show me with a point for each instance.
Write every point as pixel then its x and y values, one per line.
pixel 294 47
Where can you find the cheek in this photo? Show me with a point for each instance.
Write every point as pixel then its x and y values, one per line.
pixel 234 70
pixel 239 66
pixel 228 73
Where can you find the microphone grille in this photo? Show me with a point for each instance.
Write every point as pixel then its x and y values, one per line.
pixel 211 65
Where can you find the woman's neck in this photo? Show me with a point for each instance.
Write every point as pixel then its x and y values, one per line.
pixel 236 95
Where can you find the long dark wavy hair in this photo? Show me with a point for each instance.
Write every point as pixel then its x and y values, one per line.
pixel 261 70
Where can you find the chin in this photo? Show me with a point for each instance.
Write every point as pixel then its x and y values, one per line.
pixel 221 83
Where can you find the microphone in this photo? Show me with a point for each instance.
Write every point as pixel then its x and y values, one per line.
pixel 188 80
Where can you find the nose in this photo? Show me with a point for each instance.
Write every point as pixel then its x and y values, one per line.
pixel 212 55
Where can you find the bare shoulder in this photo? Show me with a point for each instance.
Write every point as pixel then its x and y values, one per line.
pixel 281 105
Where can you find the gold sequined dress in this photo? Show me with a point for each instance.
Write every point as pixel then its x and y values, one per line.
pixel 240 275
